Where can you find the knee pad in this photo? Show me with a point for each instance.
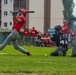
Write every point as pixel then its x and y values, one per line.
pixel 54 54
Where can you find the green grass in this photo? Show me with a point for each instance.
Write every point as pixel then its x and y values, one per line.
pixel 13 61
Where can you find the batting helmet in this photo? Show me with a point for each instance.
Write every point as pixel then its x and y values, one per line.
pixel 23 11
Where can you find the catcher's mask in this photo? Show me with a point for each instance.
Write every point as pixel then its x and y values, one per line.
pixel 58 28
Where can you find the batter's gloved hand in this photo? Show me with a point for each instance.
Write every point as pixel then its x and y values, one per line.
pixel 15 12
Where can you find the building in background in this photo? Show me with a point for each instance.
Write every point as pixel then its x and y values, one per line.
pixel 56 13
pixel 6 15
pixel 48 13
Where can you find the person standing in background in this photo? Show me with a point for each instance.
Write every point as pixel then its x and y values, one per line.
pixel 26 39
pixel 65 27
pixel 34 33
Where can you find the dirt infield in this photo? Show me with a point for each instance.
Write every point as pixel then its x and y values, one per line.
pixel 19 74
pixel 24 74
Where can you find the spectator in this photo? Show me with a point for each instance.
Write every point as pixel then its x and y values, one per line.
pixel 46 40
pixel 39 40
pixel 26 33
pixel 34 33
pixel 65 27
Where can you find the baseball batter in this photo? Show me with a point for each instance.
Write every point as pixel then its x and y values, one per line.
pixel 19 21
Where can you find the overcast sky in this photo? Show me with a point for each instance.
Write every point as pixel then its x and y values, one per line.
pixel 74 11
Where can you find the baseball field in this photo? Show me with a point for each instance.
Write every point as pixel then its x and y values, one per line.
pixel 13 62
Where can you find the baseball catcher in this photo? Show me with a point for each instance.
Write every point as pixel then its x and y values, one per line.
pixel 61 42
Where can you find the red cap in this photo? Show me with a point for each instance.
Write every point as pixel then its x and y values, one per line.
pixel 23 11
pixel 33 27
pixel 64 21
pixel 26 27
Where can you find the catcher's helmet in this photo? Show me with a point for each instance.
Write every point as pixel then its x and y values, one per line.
pixel 58 27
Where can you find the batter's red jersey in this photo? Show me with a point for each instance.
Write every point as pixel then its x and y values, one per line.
pixel 26 32
pixel 18 25
pixel 65 29
pixel 34 32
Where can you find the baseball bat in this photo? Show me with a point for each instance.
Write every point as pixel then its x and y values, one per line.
pixel 30 11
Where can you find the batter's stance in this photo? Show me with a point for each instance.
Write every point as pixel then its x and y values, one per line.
pixel 19 21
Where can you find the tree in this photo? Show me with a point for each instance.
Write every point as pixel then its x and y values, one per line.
pixel 68 8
